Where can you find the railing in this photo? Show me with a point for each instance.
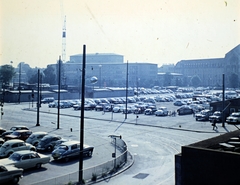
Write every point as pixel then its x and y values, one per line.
pixel 95 173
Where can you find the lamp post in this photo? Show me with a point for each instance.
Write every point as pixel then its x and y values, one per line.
pixel 100 76
pixel 93 80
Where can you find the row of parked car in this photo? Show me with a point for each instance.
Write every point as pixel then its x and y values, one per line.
pixel 216 117
pixel 22 152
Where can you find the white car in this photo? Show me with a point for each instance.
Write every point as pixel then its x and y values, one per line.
pixel 162 111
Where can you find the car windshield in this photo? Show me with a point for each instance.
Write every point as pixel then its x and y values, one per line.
pixel 235 115
pixel 16 133
pixel 64 147
pixel 15 157
pixel 217 114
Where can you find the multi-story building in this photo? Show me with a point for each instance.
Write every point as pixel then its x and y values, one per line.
pixel 110 70
pixel 210 71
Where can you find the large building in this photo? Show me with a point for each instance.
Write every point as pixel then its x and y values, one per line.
pixel 110 70
pixel 210 71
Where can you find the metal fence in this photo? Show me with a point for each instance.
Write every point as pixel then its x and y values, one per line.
pixel 95 173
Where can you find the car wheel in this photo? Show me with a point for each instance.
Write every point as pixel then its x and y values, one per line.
pixel 38 165
pixel 66 159
pixel 49 148
pixel 35 144
pixel 15 180
pixel 33 149
pixel 89 153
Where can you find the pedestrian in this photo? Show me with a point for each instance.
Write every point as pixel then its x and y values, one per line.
pixel 214 124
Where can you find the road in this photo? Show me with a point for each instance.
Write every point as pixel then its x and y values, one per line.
pixel 153 141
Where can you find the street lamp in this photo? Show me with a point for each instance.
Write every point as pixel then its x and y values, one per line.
pixel 100 76
pixel 92 80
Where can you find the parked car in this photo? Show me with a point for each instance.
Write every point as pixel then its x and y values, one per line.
pixel 26 159
pixel 10 174
pixel 52 104
pixel 216 117
pixel 203 115
pixel 162 111
pixel 18 134
pixel 71 149
pixel 148 111
pixel 12 129
pixel 14 145
pixel 183 110
pixel 48 142
pixel 1 141
pixel 47 100
pixel 59 142
pixel 234 118
pixel 2 130
pixel 35 138
pixel 179 103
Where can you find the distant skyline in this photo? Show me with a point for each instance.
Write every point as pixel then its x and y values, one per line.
pixel 153 31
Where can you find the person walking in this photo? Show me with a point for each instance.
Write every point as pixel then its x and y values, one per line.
pixel 214 124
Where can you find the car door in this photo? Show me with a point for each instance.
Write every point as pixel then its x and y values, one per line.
pixel 24 162
pixel 22 146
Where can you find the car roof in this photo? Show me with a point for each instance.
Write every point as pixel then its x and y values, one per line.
pixel 14 141
pixel 70 143
pixel 38 133
pixel 23 152
pixel 22 131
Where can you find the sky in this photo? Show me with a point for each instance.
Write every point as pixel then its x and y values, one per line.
pixel 152 31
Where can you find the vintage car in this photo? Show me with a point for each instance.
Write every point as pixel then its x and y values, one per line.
pixel 14 145
pixel 162 111
pixel 47 100
pixel 203 115
pixel 71 149
pixel 234 118
pixel 185 109
pixel 26 159
pixel 2 130
pixel 48 142
pixel 1 141
pixel 216 117
pixel 35 138
pixel 18 134
pixel 12 129
pixel 10 174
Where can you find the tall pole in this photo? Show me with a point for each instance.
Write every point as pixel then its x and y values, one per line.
pixel 126 91
pixel 19 83
pixel 223 101
pixel 38 97
pixel 100 76
pixel 80 180
pixel 59 86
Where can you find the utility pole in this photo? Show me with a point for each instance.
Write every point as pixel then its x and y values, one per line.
pixel 59 86
pixel 38 97
pixel 80 176
pixel 126 92
pixel 223 101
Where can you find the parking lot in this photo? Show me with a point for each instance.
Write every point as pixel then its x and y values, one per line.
pixel 100 124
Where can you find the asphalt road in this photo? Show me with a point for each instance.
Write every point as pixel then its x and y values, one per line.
pixel 152 140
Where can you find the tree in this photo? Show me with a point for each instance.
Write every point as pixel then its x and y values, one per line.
pixel 49 75
pixel 195 81
pixel 6 73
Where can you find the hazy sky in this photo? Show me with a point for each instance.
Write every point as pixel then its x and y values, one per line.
pixel 154 31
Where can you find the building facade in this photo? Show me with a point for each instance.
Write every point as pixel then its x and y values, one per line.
pixel 210 71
